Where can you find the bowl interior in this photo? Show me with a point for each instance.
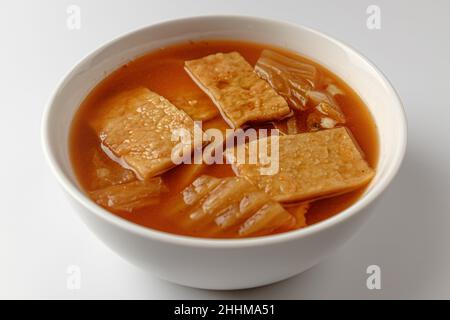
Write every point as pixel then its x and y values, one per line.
pixel 355 70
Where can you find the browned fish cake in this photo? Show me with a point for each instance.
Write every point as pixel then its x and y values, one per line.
pixel 312 165
pixel 136 127
pixel 198 106
pixel 236 89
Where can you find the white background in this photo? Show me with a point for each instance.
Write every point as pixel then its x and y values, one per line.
pixel 40 235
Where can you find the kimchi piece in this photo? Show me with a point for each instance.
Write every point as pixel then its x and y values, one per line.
pixel 292 79
pixel 299 83
pixel 107 173
pixel 326 113
pixel 197 105
pixel 230 206
pixel 299 211
pixel 287 126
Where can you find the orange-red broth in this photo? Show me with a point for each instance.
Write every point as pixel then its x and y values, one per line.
pixel 162 71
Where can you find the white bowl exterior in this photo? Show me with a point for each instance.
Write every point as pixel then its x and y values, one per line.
pixel 226 264
pixel 222 268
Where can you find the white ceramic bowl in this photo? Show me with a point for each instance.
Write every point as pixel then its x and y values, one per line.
pixel 235 263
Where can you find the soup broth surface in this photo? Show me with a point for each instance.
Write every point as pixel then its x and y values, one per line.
pixel 162 71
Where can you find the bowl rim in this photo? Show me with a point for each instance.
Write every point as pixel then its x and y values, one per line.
pixel 153 234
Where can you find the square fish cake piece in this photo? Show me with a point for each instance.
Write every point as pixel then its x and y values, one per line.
pixel 197 105
pixel 136 128
pixel 311 165
pixel 236 89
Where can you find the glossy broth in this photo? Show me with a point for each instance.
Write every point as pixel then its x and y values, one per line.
pixel 162 71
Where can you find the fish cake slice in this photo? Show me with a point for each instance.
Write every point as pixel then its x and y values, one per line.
pixel 312 165
pixel 238 92
pixel 197 105
pixel 136 127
